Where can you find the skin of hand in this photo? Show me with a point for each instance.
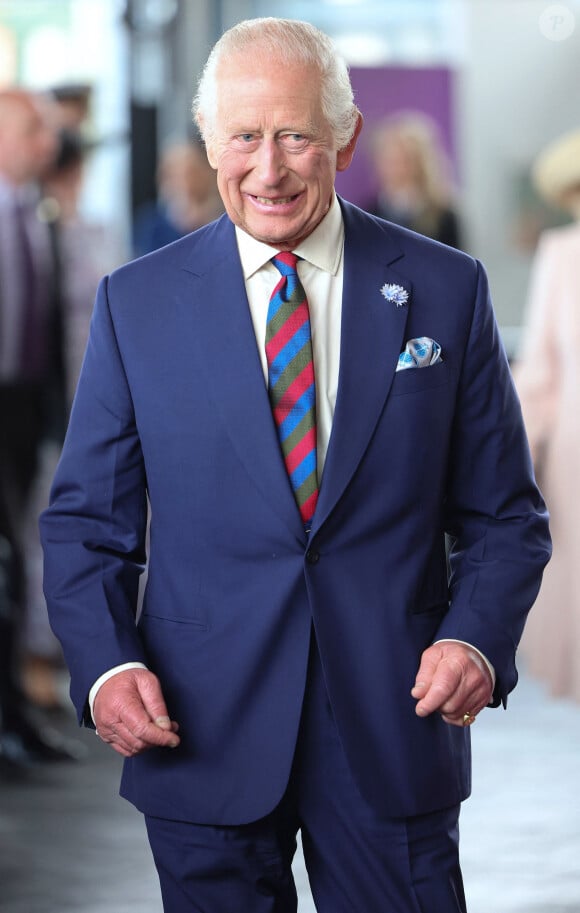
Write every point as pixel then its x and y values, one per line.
pixel 130 713
pixel 452 680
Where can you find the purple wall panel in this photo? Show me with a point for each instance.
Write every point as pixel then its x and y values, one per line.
pixel 380 91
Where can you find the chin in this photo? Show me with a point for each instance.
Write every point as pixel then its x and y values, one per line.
pixel 273 238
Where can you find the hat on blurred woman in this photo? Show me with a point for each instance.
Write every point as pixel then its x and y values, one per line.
pixel 556 172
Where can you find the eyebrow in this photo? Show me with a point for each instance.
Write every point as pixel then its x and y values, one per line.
pixel 308 128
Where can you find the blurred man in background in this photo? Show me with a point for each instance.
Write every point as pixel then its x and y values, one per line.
pixel 31 383
pixel 188 198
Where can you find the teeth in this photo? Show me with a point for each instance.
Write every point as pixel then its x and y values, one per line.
pixel 270 202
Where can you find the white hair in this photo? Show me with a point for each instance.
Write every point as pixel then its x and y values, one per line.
pixel 289 41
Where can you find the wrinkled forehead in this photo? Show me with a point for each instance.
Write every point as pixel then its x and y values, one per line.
pixel 274 84
pixel 264 61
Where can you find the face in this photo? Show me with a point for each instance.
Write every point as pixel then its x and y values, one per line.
pixel 27 143
pixel 397 165
pixel 273 150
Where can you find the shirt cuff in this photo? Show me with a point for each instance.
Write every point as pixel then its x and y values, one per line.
pixel 451 640
pixel 105 678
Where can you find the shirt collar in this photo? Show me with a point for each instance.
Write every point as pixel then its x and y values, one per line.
pixel 322 248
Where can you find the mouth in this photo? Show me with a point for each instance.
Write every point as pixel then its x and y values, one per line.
pixel 274 201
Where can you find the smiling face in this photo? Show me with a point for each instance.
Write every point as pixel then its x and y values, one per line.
pixel 273 149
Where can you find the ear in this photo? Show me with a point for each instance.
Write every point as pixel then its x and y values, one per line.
pixel 344 156
pixel 209 145
pixel 211 156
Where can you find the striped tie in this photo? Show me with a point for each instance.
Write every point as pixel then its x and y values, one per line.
pixel 291 382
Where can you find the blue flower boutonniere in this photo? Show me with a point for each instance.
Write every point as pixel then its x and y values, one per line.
pixel 398 295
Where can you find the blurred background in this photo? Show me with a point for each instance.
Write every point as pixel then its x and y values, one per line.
pixel 498 76
pixel 459 99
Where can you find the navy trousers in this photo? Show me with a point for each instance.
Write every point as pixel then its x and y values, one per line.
pixel 357 862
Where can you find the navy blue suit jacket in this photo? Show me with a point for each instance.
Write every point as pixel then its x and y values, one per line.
pixel 172 408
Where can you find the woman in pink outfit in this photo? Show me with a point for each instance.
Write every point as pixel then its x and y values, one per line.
pixel 547 376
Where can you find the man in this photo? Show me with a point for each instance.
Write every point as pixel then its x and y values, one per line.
pixel 27 145
pixel 187 198
pixel 30 386
pixel 308 663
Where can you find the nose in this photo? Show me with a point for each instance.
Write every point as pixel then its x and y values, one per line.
pixel 270 163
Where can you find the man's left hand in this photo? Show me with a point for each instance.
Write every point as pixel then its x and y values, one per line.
pixel 452 680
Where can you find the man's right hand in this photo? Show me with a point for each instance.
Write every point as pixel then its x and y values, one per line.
pixel 130 713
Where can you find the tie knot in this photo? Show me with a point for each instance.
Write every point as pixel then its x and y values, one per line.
pixel 285 262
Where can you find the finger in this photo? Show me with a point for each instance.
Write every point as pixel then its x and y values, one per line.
pixel 129 741
pixel 429 662
pixel 464 701
pixel 167 724
pixel 163 722
pixel 158 732
pixel 123 721
pixel 119 739
pixel 152 699
pixel 144 713
pixel 148 734
pixel 453 679
pixel 462 720
pixel 467 700
pixel 473 694
pixel 131 714
pixel 134 731
pixel 444 684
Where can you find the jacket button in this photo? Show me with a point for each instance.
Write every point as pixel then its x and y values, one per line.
pixel 312 556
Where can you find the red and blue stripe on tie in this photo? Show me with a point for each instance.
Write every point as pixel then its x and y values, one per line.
pixel 291 382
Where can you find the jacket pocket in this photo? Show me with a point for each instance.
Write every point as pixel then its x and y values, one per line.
pixel 415 379
pixel 195 616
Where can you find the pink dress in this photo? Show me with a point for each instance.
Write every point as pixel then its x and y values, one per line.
pixel 547 377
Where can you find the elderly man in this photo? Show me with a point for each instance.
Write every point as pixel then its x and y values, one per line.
pixel 310 399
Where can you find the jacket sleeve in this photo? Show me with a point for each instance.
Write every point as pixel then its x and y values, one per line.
pixel 93 532
pixel 495 516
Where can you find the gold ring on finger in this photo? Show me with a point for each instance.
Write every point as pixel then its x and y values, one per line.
pixel 468 718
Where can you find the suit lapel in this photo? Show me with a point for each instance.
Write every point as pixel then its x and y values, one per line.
pixel 372 336
pixel 225 345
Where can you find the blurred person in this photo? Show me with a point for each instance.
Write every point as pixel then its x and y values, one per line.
pixel 547 375
pixel 414 177
pixel 87 247
pixel 188 198
pixel 301 660
pixel 72 106
pixel 31 383
pixel 8 609
pixel 83 250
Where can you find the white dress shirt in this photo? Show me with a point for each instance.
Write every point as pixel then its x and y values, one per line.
pixel 320 271
pixel 321 274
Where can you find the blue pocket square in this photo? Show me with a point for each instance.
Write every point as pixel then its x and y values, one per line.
pixel 419 353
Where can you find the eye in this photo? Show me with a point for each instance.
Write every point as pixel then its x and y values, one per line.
pixel 246 140
pixel 294 142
